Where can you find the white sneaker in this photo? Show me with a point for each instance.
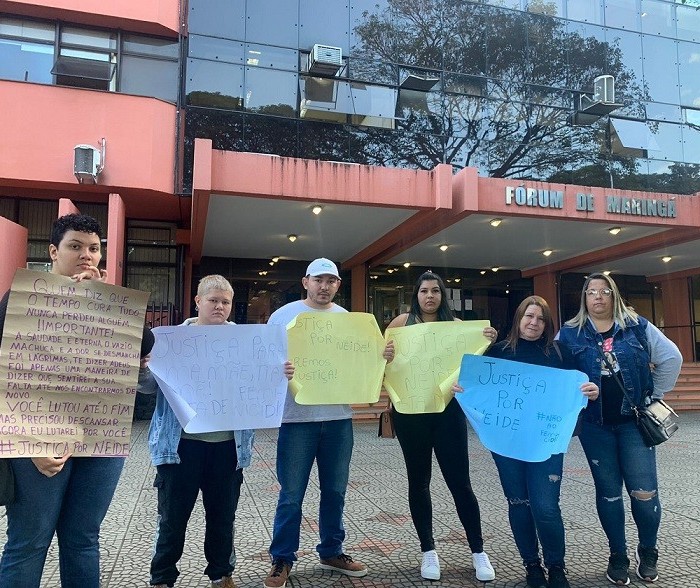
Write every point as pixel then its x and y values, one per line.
pixel 483 567
pixel 430 568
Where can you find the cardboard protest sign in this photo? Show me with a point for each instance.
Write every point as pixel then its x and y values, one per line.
pixel 426 362
pixel 521 410
pixel 222 377
pixel 337 357
pixel 69 364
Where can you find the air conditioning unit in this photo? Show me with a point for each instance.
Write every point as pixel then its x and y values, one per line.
pixel 604 89
pixel 325 60
pixel 87 163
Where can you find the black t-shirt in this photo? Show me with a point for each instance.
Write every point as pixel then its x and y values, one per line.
pixel 528 352
pixel 610 393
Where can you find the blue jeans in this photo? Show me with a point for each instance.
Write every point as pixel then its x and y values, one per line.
pixel 532 491
pixel 298 445
pixel 617 454
pixel 72 504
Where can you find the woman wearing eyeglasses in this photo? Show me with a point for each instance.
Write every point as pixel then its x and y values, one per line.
pixel 608 336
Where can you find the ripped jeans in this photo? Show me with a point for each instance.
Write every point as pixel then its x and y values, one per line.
pixel 532 491
pixel 617 454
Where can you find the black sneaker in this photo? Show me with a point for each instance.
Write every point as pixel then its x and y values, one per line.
pixel 534 575
pixel 646 563
pixel 618 566
pixel 557 577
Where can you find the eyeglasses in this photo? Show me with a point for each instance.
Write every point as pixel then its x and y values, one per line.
pixel 592 292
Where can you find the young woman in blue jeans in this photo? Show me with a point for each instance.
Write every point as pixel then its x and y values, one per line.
pixel 607 334
pixel 532 488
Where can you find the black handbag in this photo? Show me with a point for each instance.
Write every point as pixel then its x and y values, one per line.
pixel 7 483
pixel 656 421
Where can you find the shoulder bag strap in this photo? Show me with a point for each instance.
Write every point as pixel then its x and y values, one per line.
pixel 617 378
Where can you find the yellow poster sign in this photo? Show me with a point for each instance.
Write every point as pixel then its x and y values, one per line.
pixel 337 357
pixel 68 366
pixel 427 360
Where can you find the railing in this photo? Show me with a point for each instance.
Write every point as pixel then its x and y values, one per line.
pixel 160 315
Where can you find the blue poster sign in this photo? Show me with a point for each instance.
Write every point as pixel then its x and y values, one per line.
pixel 520 410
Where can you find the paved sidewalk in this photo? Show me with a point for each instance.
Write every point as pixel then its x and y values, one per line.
pixel 379 528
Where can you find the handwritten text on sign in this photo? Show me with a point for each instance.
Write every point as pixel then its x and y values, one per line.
pixel 520 410
pixel 426 362
pixel 337 358
pixel 68 366
pixel 223 377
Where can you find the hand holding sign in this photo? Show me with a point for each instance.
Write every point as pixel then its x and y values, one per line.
pixel 521 410
pixel 337 358
pixel 426 360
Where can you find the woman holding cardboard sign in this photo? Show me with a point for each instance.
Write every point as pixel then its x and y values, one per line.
pixel 445 433
pixel 532 488
pixel 63 495
pixel 189 462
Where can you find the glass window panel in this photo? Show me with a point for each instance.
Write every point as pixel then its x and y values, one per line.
pixel 625 55
pixel 277 136
pixel 271 92
pixel 27 29
pixel 691 143
pixel 663 112
pixel 622 14
pixel 421 110
pixel 465 46
pixel 691 116
pixel 371 23
pixel 218 18
pixel 546 7
pixel 367 70
pixel 325 141
pixel 547 62
pixel 587 55
pixel 688 19
pixel 24 61
pixel 585 10
pixel 689 73
pixel 658 19
pixel 463 84
pixel 325 23
pixel 85 69
pixel 219 85
pixel 371 100
pixel 661 68
pixel 266 56
pixel 149 77
pixel 507 45
pixel 273 22
pixel 86 38
pixel 512 4
pixel 216 49
pixel 668 136
pixel 150 46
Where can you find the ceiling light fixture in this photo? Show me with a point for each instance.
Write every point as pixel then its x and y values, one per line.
pixel 458 280
pixel 495 269
pixel 614 230
pixel 494 222
pixel 317 209
pixel 666 258
pixel 292 237
pixel 407 264
pixel 271 263
pixel 482 272
pixel 547 252
pixel 606 273
pixel 443 247
pixel 275 259
pixel 390 271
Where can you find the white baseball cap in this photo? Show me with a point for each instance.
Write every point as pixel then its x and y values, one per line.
pixel 322 267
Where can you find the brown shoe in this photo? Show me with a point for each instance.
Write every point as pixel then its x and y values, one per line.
pixel 277 578
pixel 344 564
pixel 225 582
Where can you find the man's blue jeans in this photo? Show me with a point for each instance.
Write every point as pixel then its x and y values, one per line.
pixel 298 445
pixel 72 504
pixel 617 454
pixel 532 491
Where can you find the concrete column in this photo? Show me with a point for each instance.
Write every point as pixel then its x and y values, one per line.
pixel 116 235
pixel 358 288
pixel 66 206
pixel 14 255
pixel 545 285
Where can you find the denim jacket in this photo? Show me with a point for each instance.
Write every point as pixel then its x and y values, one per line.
pixel 165 430
pixel 634 358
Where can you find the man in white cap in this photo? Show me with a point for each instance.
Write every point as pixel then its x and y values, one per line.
pixel 312 432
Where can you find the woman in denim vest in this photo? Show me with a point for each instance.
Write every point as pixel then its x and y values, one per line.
pixel 607 334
